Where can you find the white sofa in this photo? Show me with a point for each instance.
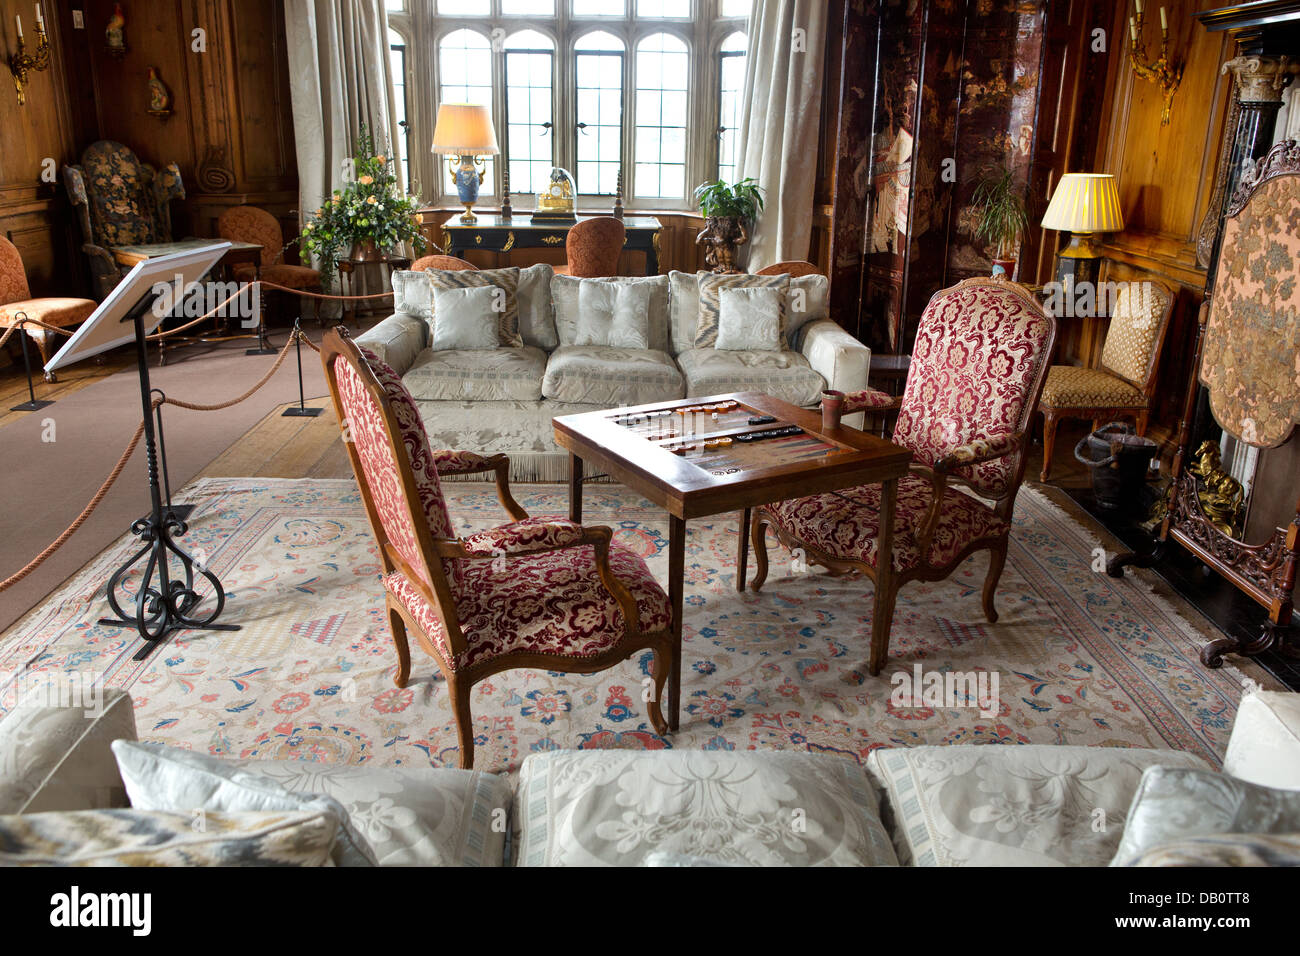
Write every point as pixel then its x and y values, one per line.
pixel 63 799
pixel 502 400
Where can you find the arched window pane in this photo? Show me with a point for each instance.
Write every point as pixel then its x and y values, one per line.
pixel 465 76
pixel 529 131
pixel 659 149
pixel 663 8
pixel 736 8
pixel 599 8
pixel 731 89
pixel 397 55
pixel 599 70
pixel 465 8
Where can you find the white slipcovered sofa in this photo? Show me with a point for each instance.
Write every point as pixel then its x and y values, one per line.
pixel 502 400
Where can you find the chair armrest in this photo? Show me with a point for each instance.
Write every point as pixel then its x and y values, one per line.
pixel 530 536
pixel 397 340
pixel 449 462
pixel 979 450
pixel 835 355
pixel 869 399
pixel 102 257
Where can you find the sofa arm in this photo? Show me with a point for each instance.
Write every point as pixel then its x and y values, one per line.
pixel 1264 747
pixel 397 340
pixel 835 355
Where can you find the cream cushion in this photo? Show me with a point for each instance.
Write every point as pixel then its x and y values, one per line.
pixel 501 374
pixel 1265 744
pixel 784 375
pixel 565 292
pixel 618 807
pixel 1175 803
pixel 58 758
pixel 808 301
pixel 465 318
pixel 614 314
pixel 602 375
pixel 1032 805
pixel 749 319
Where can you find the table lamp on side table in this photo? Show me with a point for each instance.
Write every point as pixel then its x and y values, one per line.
pixel 465 130
pixel 1084 205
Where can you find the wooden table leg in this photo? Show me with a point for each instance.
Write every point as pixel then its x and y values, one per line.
pixel 742 552
pixel 575 488
pixel 882 613
pixel 676 589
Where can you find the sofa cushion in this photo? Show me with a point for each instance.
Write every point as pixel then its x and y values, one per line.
pixel 618 807
pixel 565 291
pixel 1031 805
pixel 711 286
pixel 1176 803
pixel 59 758
pixel 603 375
pixel 1265 744
pixel 409 816
pixel 505 280
pixel 504 374
pixel 784 375
pixel 1228 849
pixel 162 838
pixel 807 301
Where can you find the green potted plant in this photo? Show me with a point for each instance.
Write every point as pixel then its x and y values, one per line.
pixel 1001 219
pixel 729 213
pixel 367 218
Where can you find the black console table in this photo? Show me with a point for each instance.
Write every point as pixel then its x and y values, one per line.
pixel 493 234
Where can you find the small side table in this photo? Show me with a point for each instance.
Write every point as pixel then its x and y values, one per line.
pixel 348 265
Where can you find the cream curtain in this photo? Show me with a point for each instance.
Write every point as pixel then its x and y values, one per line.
pixel 339 78
pixel 778 137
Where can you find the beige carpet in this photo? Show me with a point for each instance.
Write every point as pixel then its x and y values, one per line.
pixel 45 484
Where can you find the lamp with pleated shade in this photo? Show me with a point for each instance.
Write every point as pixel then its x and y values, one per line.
pixel 1084 204
pixel 465 130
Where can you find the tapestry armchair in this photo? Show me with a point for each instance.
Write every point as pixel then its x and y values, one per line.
pixel 1124 382
pixel 977 369
pixel 119 201
pixel 546 593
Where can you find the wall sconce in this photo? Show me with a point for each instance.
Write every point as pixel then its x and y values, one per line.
pixel 1161 71
pixel 21 64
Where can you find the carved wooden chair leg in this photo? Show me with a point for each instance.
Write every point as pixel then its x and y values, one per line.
pixel 1142 418
pixel 997 559
pixel 758 540
pixel 459 690
pixel 398 627
pixel 663 663
pixel 1049 444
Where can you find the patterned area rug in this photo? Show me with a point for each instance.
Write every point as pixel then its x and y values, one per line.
pixel 1079 658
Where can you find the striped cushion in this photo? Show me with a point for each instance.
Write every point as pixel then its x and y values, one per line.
pixel 504 279
pixel 711 285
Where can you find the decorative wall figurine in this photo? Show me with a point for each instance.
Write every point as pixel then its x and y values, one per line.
pixel 115 32
pixel 160 98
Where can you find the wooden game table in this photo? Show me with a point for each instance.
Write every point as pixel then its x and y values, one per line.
pixel 709 475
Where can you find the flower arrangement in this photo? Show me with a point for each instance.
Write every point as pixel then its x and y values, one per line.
pixel 368 209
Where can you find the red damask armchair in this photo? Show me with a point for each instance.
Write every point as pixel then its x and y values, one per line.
pixel 537 592
pixel 981 355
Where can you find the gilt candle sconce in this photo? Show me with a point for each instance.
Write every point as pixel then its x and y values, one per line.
pixel 22 63
pixel 1160 72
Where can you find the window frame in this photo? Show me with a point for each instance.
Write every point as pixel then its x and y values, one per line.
pixel 703 33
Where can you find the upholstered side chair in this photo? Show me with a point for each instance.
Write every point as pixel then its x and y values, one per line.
pixel 1123 384
pixel 593 248
pixel 16 303
pixel 444 263
pixel 119 201
pixel 794 268
pixel 251 224
pixel 537 592
pixel 981 355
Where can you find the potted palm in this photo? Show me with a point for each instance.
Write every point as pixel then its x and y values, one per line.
pixel 729 213
pixel 1000 219
pixel 367 218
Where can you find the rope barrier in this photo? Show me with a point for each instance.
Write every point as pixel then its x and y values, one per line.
pixel 86 512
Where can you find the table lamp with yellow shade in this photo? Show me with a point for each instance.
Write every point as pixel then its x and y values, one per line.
pixel 465 130
pixel 1084 205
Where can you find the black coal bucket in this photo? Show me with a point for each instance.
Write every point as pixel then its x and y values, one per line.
pixel 1118 459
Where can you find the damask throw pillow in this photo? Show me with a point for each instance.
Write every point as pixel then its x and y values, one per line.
pixel 749 319
pixel 711 286
pixel 466 318
pixel 614 314
pixel 505 279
